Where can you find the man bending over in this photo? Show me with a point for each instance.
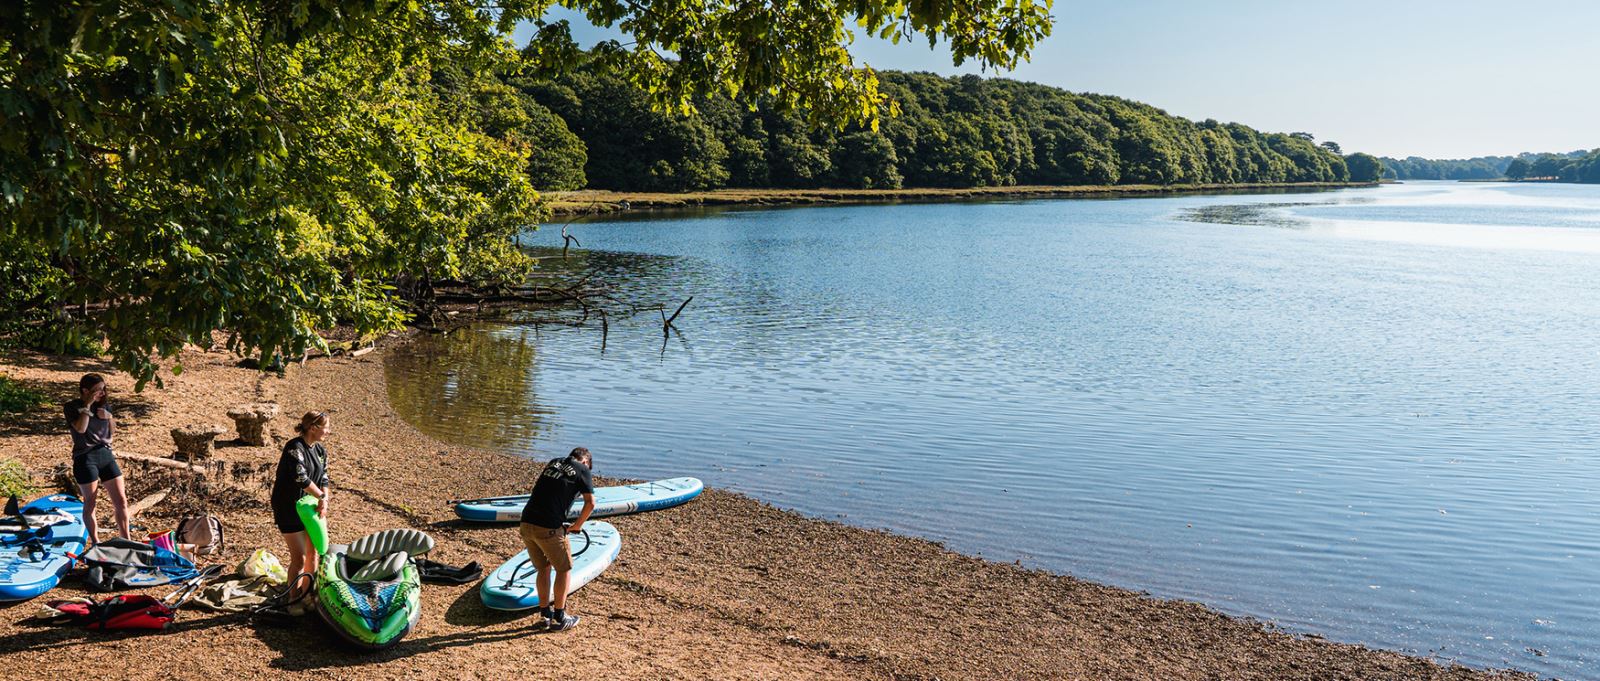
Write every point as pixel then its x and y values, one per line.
pixel 544 531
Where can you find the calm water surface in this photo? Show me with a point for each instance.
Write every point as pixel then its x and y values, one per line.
pixel 1368 414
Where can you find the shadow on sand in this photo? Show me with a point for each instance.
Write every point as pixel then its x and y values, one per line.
pixel 313 646
pixel 48 419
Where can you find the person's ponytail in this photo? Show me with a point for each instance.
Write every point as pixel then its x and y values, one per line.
pixel 311 420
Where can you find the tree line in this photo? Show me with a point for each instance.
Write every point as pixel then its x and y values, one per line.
pixel 1572 166
pixel 268 170
pixel 598 131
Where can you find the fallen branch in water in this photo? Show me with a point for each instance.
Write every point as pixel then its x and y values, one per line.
pixel 666 322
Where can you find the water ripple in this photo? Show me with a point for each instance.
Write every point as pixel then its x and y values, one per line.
pixel 1382 441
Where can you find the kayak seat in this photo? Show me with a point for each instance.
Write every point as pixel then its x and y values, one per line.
pixel 386 568
pixel 381 544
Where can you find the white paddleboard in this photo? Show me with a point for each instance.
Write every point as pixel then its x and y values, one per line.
pixel 511 586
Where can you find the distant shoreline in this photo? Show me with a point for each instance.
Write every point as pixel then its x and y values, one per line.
pixel 600 201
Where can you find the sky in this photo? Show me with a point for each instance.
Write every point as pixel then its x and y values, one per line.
pixel 1399 78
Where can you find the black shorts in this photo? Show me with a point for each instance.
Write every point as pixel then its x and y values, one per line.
pixel 95 465
pixel 286 516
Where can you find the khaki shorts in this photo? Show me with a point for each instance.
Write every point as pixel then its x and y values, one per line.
pixel 547 547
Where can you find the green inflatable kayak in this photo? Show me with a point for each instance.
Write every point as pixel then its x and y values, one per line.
pixel 369 591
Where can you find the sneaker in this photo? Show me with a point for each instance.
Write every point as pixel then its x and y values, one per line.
pixel 566 623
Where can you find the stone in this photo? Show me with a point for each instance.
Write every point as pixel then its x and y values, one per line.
pixel 197 441
pixel 251 420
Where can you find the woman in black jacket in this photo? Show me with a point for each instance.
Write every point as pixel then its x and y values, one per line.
pixel 302 470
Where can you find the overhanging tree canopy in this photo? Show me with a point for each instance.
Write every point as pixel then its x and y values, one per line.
pixel 170 168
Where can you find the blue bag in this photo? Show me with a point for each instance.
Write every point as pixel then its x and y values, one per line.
pixel 125 564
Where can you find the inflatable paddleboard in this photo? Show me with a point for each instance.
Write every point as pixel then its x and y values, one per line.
pixel 511 586
pixel 32 560
pixel 608 501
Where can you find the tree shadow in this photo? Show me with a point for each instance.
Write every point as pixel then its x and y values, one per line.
pixel 299 652
pixel 49 419
pixel 237 443
pixel 53 362
pixel 42 635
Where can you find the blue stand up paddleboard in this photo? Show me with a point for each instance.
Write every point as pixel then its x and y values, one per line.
pixel 511 586
pixel 32 559
pixel 608 501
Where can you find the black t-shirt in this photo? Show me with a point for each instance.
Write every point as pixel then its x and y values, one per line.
pixel 300 465
pixel 96 434
pixel 560 482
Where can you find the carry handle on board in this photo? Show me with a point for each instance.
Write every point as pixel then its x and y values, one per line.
pixel 514 576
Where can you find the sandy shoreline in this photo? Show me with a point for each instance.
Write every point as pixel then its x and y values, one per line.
pixel 600 201
pixel 725 587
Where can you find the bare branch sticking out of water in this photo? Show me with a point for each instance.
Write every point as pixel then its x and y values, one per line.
pixel 666 322
pixel 567 240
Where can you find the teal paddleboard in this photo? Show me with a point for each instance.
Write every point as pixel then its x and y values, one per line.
pixel 608 501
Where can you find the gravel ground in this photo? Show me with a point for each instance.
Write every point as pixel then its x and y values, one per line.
pixel 725 587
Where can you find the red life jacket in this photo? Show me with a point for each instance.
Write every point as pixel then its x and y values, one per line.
pixel 134 611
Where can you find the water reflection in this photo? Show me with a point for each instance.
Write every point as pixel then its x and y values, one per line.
pixel 477 385
pixel 1388 443
pixel 1259 214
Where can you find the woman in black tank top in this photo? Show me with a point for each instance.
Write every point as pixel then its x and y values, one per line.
pixel 91 424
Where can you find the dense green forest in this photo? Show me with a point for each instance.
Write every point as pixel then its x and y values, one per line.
pixel 600 132
pixel 169 170
pixel 1573 166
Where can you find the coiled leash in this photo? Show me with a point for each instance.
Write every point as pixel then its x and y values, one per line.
pixel 516 577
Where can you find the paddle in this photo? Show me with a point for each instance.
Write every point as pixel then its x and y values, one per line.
pixel 175 601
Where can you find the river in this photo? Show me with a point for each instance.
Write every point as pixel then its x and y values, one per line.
pixel 1367 414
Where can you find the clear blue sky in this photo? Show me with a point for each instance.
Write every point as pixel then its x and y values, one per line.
pixel 1434 78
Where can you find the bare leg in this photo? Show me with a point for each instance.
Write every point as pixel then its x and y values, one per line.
pixel 299 549
pixel 541 582
pixel 313 560
pixel 119 504
pixel 87 492
pixel 560 600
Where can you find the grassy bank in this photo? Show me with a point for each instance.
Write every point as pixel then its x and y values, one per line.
pixel 598 201
pixel 726 587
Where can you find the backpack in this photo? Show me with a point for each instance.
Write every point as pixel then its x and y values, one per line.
pixel 204 531
pixel 133 611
